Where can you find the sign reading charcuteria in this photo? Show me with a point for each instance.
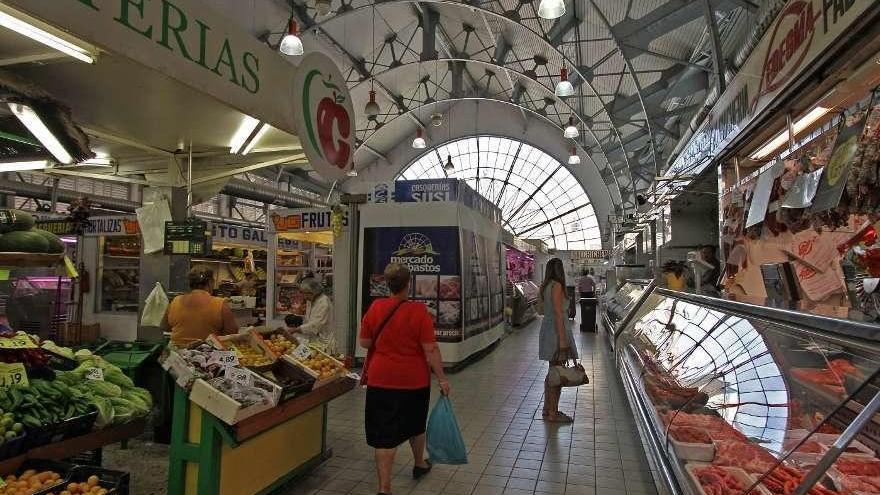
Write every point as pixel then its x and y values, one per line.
pixel 324 116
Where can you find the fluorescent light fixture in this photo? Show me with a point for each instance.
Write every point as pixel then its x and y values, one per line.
pixel 256 139
pixel 551 9
pixel 244 131
pixel 797 127
pixel 98 162
pixel 38 128
pixel 29 28
pixel 291 44
pixel 20 166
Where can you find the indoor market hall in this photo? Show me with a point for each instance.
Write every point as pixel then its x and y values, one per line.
pixel 511 450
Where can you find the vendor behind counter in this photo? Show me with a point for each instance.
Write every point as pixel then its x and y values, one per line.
pixel 194 316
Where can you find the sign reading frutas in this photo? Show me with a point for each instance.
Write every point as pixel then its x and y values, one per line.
pixel 324 116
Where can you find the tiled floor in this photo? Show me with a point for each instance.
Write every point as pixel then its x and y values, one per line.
pixel 511 450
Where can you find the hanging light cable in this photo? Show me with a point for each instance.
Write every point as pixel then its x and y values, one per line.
pixel 291 44
pixel 563 87
pixel 372 109
pixel 571 131
pixel 551 9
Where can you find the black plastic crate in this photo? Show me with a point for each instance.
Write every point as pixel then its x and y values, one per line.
pixel 73 427
pixel 116 482
pixel 93 458
pixel 291 378
pixel 13 447
pixel 62 468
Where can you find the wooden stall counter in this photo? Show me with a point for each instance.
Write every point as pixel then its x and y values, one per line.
pixel 256 455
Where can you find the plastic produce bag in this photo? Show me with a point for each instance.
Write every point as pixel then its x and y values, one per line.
pixel 151 218
pixel 445 445
pixel 154 307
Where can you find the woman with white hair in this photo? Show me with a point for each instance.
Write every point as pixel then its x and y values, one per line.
pixel 318 325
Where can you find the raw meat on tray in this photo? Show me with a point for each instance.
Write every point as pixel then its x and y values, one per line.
pixel 784 480
pixel 858 467
pixel 716 480
pixel 746 456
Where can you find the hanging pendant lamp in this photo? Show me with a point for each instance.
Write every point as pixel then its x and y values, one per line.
pixel 291 44
pixel 571 132
pixel 372 108
pixel 436 119
pixel 564 87
pixel 573 158
pixel 352 172
pixel 449 167
pixel 551 9
pixel 419 142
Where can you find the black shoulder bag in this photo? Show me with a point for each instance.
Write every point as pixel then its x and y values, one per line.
pixel 363 382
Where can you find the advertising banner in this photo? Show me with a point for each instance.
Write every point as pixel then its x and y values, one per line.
pixel 432 255
pixel 836 172
pixel 801 32
pixel 482 284
pixel 224 233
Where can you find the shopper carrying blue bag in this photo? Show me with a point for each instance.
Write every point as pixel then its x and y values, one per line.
pixel 445 445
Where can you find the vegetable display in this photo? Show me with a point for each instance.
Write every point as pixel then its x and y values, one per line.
pixel 19 235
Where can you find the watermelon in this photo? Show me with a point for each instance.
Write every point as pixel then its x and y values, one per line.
pixel 19 241
pixel 11 220
pixel 55 244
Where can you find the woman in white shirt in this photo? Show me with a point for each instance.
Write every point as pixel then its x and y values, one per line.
pixel 318 327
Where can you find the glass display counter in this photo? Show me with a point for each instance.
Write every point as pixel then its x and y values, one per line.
pixel 525 297
pixel 617 306
pixel 730 398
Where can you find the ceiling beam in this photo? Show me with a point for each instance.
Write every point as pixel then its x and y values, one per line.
pixel 717 50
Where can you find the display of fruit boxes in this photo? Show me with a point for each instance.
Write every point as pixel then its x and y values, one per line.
pixel 227 409
pixel 320 365
pixel 252 351
pixel 278 340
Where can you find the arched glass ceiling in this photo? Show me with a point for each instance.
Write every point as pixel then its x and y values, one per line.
pixel 539 198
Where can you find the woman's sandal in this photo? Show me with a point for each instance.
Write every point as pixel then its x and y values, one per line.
pixel 418 472
pixel 559 417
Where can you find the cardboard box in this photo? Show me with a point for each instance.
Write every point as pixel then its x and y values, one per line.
pixel 319 382
pixel 226 342
pixel 225 407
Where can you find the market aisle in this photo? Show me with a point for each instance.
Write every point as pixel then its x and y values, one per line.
pixel 512 451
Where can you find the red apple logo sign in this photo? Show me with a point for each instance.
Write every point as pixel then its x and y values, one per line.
pixel 325 118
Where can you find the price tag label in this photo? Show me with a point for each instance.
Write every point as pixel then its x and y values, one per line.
pixel 95 374
pixel 17 342
pixel 4 275
pixel 240 376
pixel 224 358
pixel 13 374
pixel 238 397
pixel 302 352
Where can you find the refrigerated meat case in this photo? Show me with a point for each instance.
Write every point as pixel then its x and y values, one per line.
pixel 616 307
pixel 750 396
pixel 525 297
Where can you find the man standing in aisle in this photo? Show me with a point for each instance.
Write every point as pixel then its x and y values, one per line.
pixel 586 285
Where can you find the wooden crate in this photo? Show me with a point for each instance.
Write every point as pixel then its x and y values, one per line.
pixel 74 334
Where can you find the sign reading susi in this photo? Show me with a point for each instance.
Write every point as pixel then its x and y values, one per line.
pixel 324 116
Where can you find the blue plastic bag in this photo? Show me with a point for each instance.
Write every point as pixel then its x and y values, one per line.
pixel 445 445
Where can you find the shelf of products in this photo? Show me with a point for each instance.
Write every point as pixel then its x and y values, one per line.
pixel 525 297
pixel 722 395
pixel 617 306
pixel 301 259
pixel 118 274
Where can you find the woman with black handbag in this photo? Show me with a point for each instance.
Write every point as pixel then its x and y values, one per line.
pixel 556 344
pixel 402 352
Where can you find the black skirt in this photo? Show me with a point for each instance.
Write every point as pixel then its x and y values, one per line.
pixel 394 416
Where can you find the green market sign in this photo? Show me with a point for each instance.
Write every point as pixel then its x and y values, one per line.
pixel 324 116
pixel 184 40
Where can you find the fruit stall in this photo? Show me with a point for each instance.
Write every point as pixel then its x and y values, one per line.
pixel 237 398
pixel 730 397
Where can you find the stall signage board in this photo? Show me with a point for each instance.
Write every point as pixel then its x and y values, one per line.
pixel 426 191
pixel 311 220
pixel 191 237
pixel 185 40
pixel 224 233
pixel 801 32
pixel 96 227
pixel 324 116
pixel 433 256
pixel 590 254
pixel 13 374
